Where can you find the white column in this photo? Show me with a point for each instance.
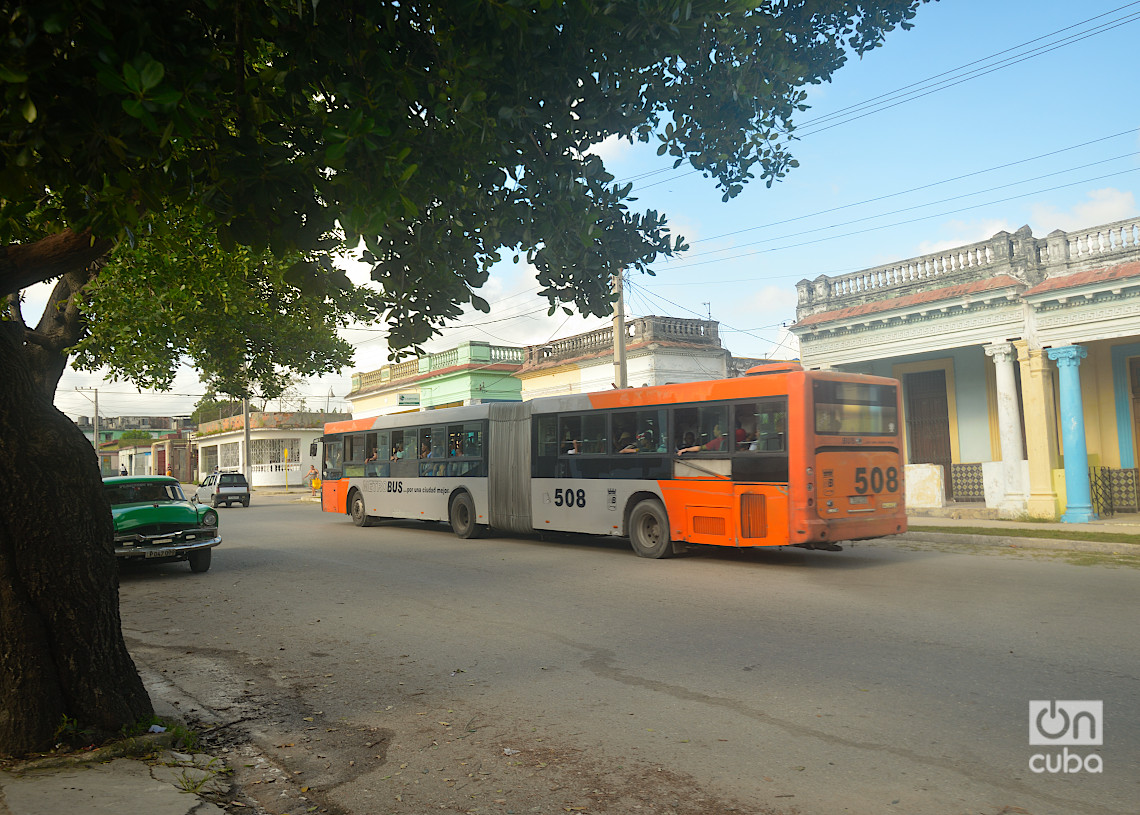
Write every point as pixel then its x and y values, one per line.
pixel 1009 425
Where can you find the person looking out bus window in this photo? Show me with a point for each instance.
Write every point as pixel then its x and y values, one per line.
pixel 716 443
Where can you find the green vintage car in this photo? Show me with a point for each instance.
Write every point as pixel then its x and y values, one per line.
pixel 155 522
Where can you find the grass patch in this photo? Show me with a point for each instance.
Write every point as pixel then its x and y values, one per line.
pixel 1014 532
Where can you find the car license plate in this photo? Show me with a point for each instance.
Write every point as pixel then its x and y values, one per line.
pixel 159 552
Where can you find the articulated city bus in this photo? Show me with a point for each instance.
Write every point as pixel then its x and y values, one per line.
pixel 779 457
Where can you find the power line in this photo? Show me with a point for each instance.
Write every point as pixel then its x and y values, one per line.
pixel 899 223
pixel 954 79
pixel 1132 17
pixel 919 206
pixel 1129 132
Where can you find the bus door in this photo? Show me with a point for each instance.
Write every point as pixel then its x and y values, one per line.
pixel 333 497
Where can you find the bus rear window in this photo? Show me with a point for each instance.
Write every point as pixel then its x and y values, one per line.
pixel 855 408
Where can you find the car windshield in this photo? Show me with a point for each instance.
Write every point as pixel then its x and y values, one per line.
pixel 144 492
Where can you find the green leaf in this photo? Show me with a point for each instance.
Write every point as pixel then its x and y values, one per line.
pixel 132 79
pixel 8 75
pixel 28 111
pixel 152 74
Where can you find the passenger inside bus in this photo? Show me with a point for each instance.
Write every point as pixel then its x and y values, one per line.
pixel 646 443
pixel 713 444
pixel 688 442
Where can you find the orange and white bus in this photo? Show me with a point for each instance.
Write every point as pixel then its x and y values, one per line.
pixel 779 457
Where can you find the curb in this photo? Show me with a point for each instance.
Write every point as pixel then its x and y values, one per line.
pixel 1016 542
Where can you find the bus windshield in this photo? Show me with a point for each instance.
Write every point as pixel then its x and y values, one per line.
pixel 855 407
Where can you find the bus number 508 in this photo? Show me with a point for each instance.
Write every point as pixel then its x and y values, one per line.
pixel 875 480
pixel 572 498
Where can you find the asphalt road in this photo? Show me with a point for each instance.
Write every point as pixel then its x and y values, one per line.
pixel 880 679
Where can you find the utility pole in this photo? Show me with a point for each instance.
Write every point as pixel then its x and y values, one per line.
pixel 247 467
pixel 95 437
pixel 619 335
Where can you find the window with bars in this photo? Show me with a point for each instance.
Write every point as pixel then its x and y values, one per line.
pixel 229 456
pixel 272 451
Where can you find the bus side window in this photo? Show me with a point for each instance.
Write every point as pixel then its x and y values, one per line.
pixel 593 438
pixel 334 451
pixel 709 429
pixel 765 424
pixel 570 435
pixel 473 439
pixel 439 441
pixel 546 436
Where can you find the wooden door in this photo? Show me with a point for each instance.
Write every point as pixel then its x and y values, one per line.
pixel 928 420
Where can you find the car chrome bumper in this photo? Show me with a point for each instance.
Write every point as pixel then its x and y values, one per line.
pixel 157 546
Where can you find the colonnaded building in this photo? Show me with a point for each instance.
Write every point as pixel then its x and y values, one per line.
pixel 1019 359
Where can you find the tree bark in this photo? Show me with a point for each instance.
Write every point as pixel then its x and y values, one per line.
pixel 24 264
pixel 62 652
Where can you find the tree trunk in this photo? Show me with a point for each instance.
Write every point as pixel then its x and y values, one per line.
pixel 62 652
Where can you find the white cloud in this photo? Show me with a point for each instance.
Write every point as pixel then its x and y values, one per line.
pixel 613 149
pixel 960 233
pixel 1103 206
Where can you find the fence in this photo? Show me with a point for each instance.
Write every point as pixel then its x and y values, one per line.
pixel 1114 490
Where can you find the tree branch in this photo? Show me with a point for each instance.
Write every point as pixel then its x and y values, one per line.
pixel 24 264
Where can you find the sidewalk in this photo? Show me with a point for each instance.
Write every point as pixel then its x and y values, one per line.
pixel 141 776
pixel 1026 534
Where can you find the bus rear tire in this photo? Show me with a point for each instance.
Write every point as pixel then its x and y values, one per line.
pixel 462 517
pixel 649 530
pixel 357 510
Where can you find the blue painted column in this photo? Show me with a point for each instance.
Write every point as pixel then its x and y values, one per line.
pixel 1078 493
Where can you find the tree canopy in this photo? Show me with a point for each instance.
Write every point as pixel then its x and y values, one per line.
pixel 185 172
pixel 437 134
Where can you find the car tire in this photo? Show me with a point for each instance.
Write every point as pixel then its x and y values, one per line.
pixel 200 561
pixel 245 501
pixel 649 530
pixel 217 503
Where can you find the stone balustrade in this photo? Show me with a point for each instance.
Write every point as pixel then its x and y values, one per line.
pixel 1096 244
pixel 1019 255
pixel 642 329
pixel 477 353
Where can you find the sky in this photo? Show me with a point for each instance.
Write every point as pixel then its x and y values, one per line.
pixel 986 116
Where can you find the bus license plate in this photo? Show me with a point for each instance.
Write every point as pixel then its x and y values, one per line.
pixel 858 499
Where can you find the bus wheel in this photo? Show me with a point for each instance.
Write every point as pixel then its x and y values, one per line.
pixel 649 530
pixel 357 510
pixel 462 517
